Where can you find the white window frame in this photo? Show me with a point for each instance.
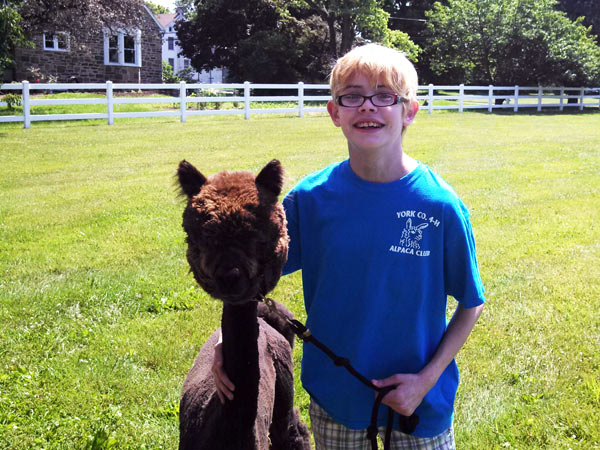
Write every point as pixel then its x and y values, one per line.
pixel 137 36
pixel 55 47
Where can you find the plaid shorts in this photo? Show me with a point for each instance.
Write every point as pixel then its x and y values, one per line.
pixel 330 435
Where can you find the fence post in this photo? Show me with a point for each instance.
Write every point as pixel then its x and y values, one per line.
pixel 581 98
pixel 109 103
pixel 562 94
pixel 516 108
pixel 539 107
pixel 461 97
pixel 430 99
pixel 490 97
pixel 182 104
pixel 300 99
pixel 246 100
pixel 26 106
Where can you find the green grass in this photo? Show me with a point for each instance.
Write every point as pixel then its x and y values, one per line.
pixel 100 320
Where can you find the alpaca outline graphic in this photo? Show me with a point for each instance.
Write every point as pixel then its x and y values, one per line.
pixel 412 234
pixel 411 239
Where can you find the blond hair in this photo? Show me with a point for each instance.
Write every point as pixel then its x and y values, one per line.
pixel 383 66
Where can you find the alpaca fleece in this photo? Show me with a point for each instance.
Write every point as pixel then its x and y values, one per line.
pixel 237 246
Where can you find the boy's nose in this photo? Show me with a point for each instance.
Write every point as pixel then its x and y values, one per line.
pixel 367 105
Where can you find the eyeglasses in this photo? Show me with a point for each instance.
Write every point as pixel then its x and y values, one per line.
pixel 356 100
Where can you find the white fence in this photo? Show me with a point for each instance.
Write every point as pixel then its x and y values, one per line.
pixel 432 97
pixel 514 97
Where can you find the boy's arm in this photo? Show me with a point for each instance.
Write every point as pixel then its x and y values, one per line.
pixel 412 388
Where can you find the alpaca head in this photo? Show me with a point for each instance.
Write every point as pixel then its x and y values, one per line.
pixel 236 230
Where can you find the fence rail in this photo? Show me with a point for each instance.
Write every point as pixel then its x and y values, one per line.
pixel 436 97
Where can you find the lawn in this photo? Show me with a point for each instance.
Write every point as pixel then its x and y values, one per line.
pixel 100 320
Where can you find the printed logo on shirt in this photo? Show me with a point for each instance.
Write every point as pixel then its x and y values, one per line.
pixel 412 233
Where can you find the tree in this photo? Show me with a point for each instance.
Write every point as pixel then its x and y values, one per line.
pixel 79 17
pixel 11 35
pixel 350 19
pixel 187 6
pixel 588 9
pixel 257 40
pixel 282 40
pixel 401 41
pixel 156 8
pixel 511 42
pixel 409 17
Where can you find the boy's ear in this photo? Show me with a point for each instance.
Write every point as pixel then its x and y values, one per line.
pixel 411 112
pixel 333 110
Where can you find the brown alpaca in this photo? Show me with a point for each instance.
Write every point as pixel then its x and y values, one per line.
pixel 237 246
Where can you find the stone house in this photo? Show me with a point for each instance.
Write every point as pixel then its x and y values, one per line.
pixel 128 56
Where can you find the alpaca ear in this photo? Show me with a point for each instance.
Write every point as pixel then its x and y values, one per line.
pixel 190 179
pixel 270 178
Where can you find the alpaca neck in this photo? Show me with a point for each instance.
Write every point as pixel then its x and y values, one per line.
pixel 239 328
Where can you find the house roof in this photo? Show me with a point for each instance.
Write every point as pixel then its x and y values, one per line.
pixel 165 19
pixel 153 17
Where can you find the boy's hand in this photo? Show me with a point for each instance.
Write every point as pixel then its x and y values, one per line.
pixel 223 384
pixel 412 388
pixel 409 393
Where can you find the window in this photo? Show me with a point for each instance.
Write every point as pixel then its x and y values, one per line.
pixel 129 48
pixel 113 49
pixel 171 43
pixel 124 49
pixel 58 42
pixel 186 63
pixel 172 63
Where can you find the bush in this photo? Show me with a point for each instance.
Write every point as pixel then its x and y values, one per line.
pixel 208 93
pixel 12 100
pixel 167 73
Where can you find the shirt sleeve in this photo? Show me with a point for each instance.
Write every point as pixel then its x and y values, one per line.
pixel 290 205
pixel 461 272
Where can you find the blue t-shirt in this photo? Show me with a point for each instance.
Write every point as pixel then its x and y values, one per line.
pixel 378 261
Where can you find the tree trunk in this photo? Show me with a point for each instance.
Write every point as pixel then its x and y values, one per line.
pixel 347 34
pixel 332 36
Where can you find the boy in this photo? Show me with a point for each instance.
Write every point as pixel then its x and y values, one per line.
pixel 381 240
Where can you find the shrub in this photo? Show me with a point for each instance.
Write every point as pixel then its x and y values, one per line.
pixel 12 100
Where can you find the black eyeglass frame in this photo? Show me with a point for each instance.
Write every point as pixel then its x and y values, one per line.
pixel 397 99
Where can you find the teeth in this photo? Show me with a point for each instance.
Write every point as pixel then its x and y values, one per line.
pixel 368 125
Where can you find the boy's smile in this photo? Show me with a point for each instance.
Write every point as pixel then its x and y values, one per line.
pixel 368 125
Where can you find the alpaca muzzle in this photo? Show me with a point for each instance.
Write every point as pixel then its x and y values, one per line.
pixel 234 283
